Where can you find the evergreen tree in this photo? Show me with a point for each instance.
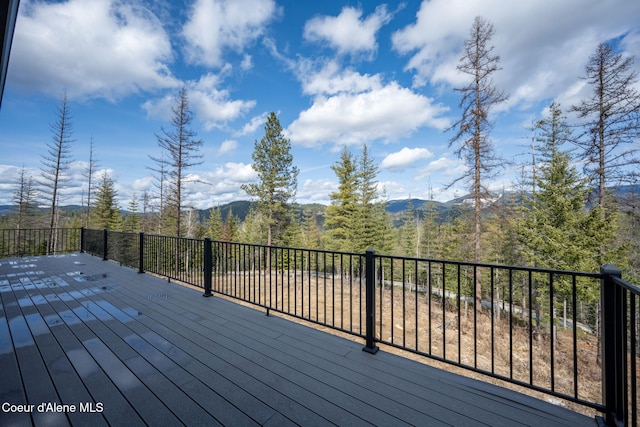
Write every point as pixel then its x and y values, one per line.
pixel 277 177
pixel 230 228
pixel 311 234
pixel 147 212
pixel 559 232
pixel 132 218
pixel 340 215
pixel 429 231
pixel 214 225
pixel 552 133
pixel 106 212
pixel 253 230
pixel 407 234
pixel 370 220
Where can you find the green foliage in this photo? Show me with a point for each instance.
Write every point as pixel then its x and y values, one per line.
pixel 356 219
pixel 132 222
pixel 407 234
pixel 277 178
pixel 340 215
pixel 559 232
pixel 311 234
pixel 214 225
pixel 105 212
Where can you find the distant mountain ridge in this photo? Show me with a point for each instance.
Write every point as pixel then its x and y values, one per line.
pixel 442 211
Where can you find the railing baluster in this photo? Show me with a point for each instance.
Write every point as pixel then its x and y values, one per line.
pixel 240 271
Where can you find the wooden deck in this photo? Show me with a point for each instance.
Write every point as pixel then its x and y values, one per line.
pixel 114 347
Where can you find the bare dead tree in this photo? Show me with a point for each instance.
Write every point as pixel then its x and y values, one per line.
pixel 89 171
pixel 55 164
pixel 610 119
pixel 182 149
pixel 473 129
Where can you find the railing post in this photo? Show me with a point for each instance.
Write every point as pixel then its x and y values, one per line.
pixel 612 346
pixel 104 244
pixel 141 253
pixel 370 272
pixel 208 267
pixel 82 240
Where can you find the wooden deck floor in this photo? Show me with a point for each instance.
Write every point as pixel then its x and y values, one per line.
pixel 114 347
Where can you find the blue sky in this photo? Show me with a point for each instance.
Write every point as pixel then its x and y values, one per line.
pixel 336 72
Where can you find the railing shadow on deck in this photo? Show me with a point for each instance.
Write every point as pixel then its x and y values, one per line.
pixel 536 328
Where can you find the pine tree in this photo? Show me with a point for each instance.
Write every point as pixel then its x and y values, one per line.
pixel 340 215
pixel 253 230
pixel 106 212
pixel 429 231
pixel 552 133
pixel 277 177
pixel 407 234
pixel 230 228
pixel 132 218
pixel 214 225
pixel 311 234
pixel 368 225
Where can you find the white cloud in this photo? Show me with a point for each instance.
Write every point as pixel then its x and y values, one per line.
pixel 253 125
pixel 227 146
pixel 348 32
pixel 332 80
pixel 103 48
pixel 215 26
pixel 538 61
pixel 316 191
pixel 213 105
pixel 247 63
pixel 443 166
pixel 205 189
pixel 382 112
pixel 405 158
pixel 210 103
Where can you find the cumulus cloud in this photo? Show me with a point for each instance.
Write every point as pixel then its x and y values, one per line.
pixel 538 61
pixel 253 125
pixel 405 158
pixel 383 112
pixel 348 32
pixel 227 146
pixel 114 48
pixel 211 104
pixel 316 191
pixel 444 166
pixel 208 188
pixel 215 26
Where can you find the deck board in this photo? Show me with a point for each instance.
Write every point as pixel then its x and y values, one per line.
pixel 75 329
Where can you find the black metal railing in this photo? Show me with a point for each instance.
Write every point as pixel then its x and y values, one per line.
pixel 319 286
pixel 530 326
pixel 16 243
pixel 537 328
pixel 620 327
